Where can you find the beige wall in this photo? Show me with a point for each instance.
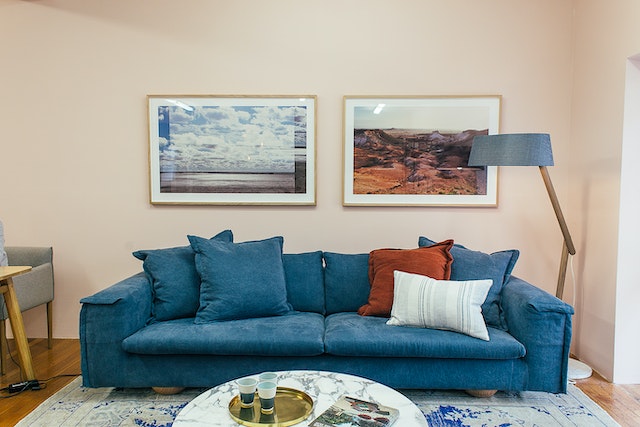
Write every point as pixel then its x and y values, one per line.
pixel 75 74
pixel 606 35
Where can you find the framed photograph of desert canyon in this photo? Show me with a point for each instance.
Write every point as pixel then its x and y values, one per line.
pixel 414 151
pixel 232 150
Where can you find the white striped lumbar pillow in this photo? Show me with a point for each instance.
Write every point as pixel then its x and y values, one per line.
pixel 421 301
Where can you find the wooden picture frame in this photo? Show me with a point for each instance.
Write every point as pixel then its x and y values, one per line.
pixel 413 151
pixel 232 150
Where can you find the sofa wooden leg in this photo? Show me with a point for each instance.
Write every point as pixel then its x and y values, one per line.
pixel 481 393
pixel 167 390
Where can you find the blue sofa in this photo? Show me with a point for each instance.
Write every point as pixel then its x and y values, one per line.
pixel 129 340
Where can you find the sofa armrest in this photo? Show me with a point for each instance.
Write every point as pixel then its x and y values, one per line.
pixel 118 311
pixel 106 319
pixel 542 323
pixel 29 255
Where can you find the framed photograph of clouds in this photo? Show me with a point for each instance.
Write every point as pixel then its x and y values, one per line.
pixel 232 150
pixel 414 151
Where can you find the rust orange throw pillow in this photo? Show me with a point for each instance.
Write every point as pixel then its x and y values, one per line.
pixel 433 261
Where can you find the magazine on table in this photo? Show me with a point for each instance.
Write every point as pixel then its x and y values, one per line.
pixel 352 412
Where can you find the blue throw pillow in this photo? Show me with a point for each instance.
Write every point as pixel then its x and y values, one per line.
pixel 240 280
pixel 175 283
pixel 475 265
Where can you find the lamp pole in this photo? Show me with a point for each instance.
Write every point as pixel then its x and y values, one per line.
pixel 567 245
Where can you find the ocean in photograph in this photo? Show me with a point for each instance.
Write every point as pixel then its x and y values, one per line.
pixel 221 182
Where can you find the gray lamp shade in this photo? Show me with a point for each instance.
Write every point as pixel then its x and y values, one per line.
pixel 516 149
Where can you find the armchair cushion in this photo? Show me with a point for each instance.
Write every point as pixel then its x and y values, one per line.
pixel 29 255
pixel 35 287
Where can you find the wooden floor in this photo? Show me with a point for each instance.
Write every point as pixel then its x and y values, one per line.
pixel 62 359
pixel 621 401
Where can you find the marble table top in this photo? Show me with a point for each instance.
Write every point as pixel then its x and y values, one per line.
pixel 211 407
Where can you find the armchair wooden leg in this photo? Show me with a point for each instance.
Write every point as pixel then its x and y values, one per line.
pixel 3 347
pixel 50 324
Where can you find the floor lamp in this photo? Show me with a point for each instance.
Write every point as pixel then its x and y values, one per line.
pixel 530 149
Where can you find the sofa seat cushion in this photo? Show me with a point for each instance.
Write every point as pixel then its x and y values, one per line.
pixel 348 334
pixel 294 334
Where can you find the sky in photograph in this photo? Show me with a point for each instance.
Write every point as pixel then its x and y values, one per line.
pixel 442 118
pixel 242 139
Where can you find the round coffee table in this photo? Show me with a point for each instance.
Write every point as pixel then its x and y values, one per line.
pixel 211 408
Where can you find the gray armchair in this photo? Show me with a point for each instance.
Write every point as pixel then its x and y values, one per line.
pixel 32 289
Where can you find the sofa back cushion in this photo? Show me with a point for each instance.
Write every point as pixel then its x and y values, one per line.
pixel 295 334
pixel 352 335
pixel 346 281
pixel 304 277
pixel 474 265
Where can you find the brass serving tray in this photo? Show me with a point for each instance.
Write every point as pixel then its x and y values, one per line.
pixel 291 407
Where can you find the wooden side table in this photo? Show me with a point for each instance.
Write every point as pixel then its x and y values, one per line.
pixel 15 317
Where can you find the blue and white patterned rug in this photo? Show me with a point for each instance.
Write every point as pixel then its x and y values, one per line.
pixel 75 405
pixel 454 408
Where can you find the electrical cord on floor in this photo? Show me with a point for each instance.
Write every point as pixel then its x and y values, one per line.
pixel 17 388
